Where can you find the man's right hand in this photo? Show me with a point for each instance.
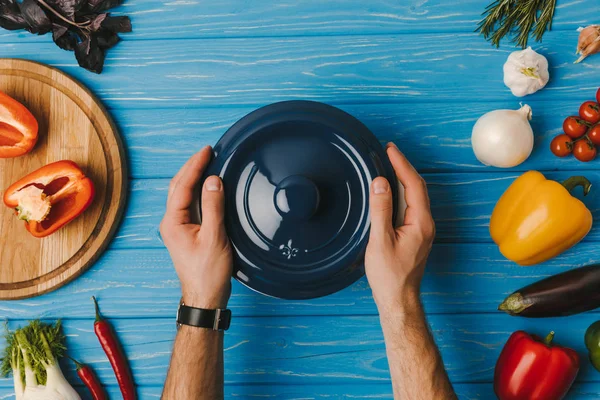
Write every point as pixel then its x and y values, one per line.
pixel 395 263
pixel 395 258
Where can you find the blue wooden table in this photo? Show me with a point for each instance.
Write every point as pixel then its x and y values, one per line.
pixel 414 72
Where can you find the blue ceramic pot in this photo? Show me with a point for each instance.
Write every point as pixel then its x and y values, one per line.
pixel 296 176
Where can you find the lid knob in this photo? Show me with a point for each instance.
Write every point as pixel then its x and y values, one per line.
pixel 296 197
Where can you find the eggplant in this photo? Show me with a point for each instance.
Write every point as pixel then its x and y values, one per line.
pixel 567 293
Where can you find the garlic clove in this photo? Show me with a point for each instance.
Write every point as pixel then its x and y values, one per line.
pixel 589 42
pixel 587 35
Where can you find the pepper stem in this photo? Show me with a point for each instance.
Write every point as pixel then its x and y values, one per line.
pixel 549 338
pixel 575 181
pixel 98 316
pixel 78 365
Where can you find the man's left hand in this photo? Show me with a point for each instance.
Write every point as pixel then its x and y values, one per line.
pixel 201 253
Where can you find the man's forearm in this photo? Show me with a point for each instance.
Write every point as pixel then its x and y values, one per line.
pixel 415 363
pixel 196 370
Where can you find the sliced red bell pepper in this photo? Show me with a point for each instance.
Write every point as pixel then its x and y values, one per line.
pixel 50 197
pixel 530 368
pixel 18 128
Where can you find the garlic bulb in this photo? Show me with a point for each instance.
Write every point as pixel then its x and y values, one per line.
pixel 503 138
pixel 525 72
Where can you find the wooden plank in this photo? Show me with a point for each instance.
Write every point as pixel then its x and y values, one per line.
pixel 461 204
pixel 155 19
pixel 438 140
pixel 318 351
pixel 113 392
pixel 460 278
pixel 465 391
pixel 405 69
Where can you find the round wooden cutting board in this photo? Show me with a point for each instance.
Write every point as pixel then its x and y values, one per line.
pixel 73 125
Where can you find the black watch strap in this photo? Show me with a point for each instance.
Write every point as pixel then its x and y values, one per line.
pixel 217 320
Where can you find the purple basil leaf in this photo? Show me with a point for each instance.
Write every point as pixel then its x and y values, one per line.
pixel 107 39
pixel 89 55
pixel 117 24
pixel 63 37
pixel 91 4
pixel 97 31
pixel 103 5
pixel 10 16
pixel 67 8
pixel 36 17
pixel 97 22
pixel 58 30
pixel 87 42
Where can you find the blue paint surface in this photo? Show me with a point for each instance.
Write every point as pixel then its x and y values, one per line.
pixel 415 73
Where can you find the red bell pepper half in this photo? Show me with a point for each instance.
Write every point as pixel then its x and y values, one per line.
pixel 51 197
pixel 18 128
pixel 530 368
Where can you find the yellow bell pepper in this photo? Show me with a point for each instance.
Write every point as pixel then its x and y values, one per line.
pixel 537 219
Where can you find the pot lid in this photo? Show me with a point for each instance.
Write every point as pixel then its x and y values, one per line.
pixel 296 177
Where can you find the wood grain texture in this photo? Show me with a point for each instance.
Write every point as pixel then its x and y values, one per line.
pixel 73 126
pixel 403 69
pixel 156 19
pixel 318 351
pixel 438 141
pixel 465 391
pixel 461 203
pixel 414 72
pixel 460 278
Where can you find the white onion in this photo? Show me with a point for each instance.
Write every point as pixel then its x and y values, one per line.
pixel 503 138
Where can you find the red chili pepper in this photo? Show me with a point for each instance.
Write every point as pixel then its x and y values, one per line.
pixel 87 376
pixel 530 368
pixel 18 128
pixel 50 197
pixel 115 355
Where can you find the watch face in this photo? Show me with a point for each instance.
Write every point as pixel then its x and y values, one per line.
pixel 296 177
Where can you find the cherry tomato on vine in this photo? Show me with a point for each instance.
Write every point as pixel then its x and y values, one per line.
pixel 575 127
pixel 584 150
pixel 561 146
pixel 594 134
pixel 590 111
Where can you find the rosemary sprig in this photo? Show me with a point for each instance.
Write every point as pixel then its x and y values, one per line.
pixel 545 20
pixel 518 18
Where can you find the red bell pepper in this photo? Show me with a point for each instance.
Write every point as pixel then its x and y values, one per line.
pixel 50 197
pixel 18 128
pixel 530 368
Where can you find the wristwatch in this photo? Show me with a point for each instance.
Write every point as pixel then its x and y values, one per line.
pixel 217 320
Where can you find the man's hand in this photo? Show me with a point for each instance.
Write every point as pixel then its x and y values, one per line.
pixel 201 253
pixel 203 261
pixel 395 258
pixel 395 263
